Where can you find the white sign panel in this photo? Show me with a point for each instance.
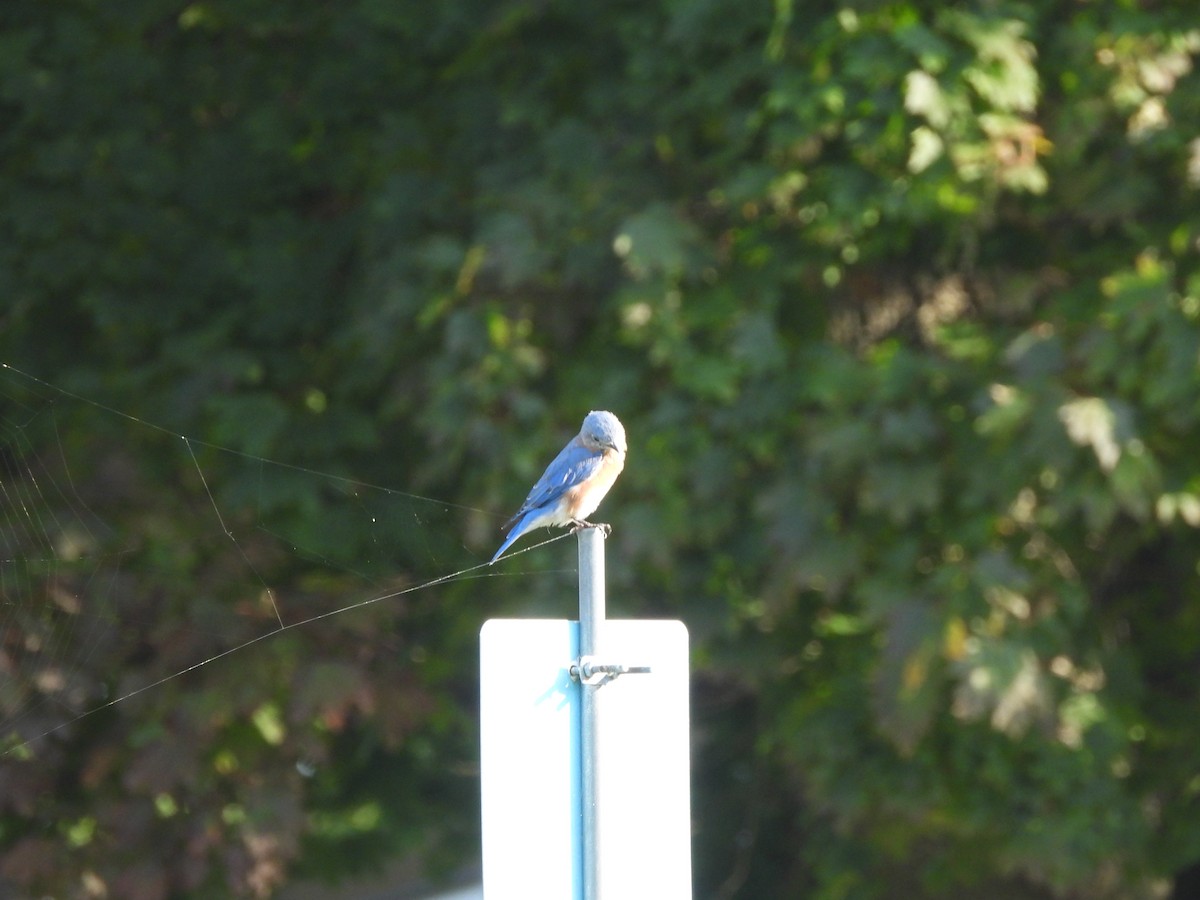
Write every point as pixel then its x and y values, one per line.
pixel 530 766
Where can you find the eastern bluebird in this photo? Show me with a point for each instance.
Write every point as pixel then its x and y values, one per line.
pixel 574 484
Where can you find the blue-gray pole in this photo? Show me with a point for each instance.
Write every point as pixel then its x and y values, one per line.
pixel 591 626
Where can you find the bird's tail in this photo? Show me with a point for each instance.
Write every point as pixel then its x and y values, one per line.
pixel 518 528
pixel 507 543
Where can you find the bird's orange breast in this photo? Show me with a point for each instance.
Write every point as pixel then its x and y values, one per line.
pixel 582 499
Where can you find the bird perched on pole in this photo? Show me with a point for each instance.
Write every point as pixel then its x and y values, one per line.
pixel 574 484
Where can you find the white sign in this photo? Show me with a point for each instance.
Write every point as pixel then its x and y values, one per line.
pixel 531 763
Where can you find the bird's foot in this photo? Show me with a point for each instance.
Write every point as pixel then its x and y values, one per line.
pixel 580 524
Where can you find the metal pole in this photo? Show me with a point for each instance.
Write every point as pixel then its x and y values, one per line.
pixel 591 624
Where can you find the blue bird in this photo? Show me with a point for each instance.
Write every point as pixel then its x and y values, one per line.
pixel 574 484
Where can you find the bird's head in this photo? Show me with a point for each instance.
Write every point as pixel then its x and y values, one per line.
pixel 603 430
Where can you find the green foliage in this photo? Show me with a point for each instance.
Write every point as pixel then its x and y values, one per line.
pixel 899 303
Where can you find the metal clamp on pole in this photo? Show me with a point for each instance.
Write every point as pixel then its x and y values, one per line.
pixel 587 670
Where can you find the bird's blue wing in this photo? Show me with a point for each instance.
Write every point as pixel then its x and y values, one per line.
pixel 574 464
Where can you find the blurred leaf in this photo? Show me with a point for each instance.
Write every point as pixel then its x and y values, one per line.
pixel 906 686
pixel 1001 681
pixel 657 241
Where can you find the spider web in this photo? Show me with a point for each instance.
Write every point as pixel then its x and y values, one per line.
pixel 132 555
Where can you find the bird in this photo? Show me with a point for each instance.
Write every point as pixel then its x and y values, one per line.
pixel 575 482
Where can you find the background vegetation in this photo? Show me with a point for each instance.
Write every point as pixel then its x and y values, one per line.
pixel 899 302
